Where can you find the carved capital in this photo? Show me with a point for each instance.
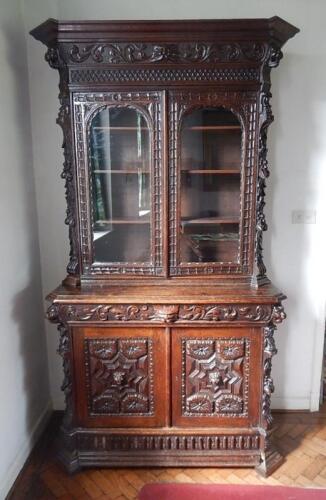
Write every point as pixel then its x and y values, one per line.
pixel 274 56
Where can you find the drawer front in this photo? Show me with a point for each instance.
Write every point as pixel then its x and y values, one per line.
pixel 216 376
pixel 118 376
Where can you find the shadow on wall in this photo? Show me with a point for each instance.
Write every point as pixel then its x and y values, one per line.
pixel 290 252
pixel 27 309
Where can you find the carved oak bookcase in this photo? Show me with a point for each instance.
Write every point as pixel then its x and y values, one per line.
pixel 166 316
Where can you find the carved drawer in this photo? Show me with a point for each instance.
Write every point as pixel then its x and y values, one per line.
pixel 118 376
pixel 216 376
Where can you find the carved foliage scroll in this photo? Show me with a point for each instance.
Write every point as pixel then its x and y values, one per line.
pixel 215 375
pixel 191 52
pixel 119 376
pixel 165 313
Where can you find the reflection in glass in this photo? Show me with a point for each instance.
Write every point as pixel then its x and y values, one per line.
pixel 210 186
pixel 120 164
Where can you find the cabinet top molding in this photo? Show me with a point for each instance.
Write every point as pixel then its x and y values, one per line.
pixel 271 30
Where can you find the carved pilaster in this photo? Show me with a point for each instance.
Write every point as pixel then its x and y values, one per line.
pixel 266 118
pixel 54 59
pixel 53 315
pixel 270 457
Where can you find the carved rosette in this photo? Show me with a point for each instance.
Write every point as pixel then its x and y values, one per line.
pixel 163 313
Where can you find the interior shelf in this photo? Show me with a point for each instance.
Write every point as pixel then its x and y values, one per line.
pixel 215 127
pixel 121 129
pixel 122 171
pixel 211 220
pixel 126 220
pixel 219 171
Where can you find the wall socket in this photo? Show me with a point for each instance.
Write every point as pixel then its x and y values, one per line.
pixel 303 216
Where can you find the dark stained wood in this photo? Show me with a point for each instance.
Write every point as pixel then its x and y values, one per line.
pixel 166 357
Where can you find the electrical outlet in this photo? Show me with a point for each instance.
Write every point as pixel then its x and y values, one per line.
pixel 303 216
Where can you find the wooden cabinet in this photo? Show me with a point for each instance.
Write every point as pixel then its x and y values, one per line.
pixel 166 316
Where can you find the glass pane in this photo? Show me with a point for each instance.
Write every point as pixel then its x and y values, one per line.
pixel 210 186
pixel 120 165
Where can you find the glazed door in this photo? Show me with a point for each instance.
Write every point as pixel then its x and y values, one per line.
pixel 216 376
pixel 120 182
pixel 211 193
pixel 122 376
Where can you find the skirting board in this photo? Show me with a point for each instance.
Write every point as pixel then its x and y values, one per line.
pixel 7 482
pixel 279 403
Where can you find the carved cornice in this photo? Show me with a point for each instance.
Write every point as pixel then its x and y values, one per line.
pixel 165 313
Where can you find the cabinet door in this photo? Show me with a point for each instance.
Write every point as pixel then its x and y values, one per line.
pixel 120 182
pixel 121 376
pixel 216 376
pixel 211 179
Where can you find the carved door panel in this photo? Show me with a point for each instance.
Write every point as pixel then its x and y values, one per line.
pixel 122 376
pixel 216 377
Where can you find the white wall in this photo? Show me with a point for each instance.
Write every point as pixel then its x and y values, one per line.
pixel 24 388
pixel 297 155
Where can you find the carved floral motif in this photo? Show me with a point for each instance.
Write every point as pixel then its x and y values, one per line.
pixel 166 313
pixel 197 52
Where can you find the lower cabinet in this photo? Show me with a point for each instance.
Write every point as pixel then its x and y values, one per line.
pixel 160 377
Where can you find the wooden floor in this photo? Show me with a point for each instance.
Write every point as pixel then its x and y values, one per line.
pixel 300 436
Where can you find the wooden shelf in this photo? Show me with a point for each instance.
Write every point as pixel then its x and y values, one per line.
pixel 123 129
pixel 215 127
pixel 126 220
pixel 221 171
pixel 211 220
pixel 122 171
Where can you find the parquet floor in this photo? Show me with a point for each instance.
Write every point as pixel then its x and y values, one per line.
pixel 300 436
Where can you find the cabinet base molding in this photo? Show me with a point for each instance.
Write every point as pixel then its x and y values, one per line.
pixel 83 447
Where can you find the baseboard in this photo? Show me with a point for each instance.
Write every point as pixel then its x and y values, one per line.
pixel 25 450
pixel 279 403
